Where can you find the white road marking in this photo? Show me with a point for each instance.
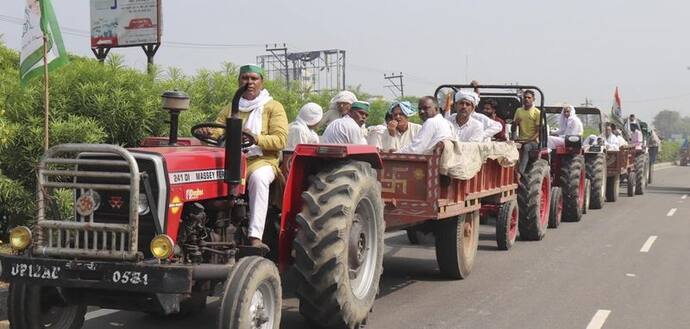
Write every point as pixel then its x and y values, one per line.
pixel 99 313
pixel 685 196
pixel 598 320
pixel 630 275
pixel 671 212
pixel 648 244
pixel 393 234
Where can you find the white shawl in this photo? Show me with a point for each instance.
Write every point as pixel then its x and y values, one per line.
pixel 254 122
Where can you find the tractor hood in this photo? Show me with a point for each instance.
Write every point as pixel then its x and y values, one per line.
pixel 188 158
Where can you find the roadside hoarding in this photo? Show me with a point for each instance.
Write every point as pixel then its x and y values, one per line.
pixel 125 23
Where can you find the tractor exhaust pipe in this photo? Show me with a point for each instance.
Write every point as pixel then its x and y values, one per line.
pixel 233 142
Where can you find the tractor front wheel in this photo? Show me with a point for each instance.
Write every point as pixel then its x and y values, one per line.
pixel 42 307
pixel 556 207
pixel 596 172
pixel 507 225
pixel 641 169
pixel 613 185
pixel 339 245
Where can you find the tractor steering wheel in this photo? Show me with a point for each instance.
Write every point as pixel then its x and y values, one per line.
pixel 198 131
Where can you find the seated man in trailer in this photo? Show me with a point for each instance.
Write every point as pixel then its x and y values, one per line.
pixel 434 130
pixel 490 127
pixel 465 127
pixel 339 106
pixel 610 139
pixel 400 131
pixel 301 131
pixel 348 129
pixel 490 107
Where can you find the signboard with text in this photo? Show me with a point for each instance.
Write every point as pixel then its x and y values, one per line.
pixel 125 23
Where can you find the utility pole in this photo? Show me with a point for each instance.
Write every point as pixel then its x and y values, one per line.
pixel 587 103
pixel 284 63
pixel 399 85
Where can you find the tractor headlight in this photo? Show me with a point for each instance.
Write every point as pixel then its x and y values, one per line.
pixel 20 238
pixel 143 207
pixel 162 246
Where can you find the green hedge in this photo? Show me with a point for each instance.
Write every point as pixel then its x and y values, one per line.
pixel 669 151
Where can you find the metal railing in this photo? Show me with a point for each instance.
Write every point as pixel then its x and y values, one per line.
pixel 84 237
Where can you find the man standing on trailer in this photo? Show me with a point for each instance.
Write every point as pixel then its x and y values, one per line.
pixel 465 127
pixel 527 118
pixel 348 129
pixel 264 124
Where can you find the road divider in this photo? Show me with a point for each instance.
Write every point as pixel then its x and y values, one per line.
pixel 598 320
pixel 648 244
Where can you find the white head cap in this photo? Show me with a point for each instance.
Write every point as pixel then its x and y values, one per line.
pixel 467 95
pixel 343 97
pixel 311 113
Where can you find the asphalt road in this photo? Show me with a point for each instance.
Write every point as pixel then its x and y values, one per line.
pixel 625 266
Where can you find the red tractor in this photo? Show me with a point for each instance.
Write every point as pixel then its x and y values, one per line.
pixel 158 229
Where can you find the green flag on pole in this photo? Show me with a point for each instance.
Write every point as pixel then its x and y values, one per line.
pixel 40 20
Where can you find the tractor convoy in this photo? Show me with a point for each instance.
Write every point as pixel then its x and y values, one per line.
pixel 161 227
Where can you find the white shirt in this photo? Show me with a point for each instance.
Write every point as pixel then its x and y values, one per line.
pixel 375 134
pixel 573 126
pixel 434 130
pixel 299 133
pixel 471 131
pixel 621 140
pixel 397 142
pixel 491 127
pixel 612 143
pixel 343 131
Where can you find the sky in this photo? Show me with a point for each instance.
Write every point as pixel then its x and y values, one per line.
pixel 572 50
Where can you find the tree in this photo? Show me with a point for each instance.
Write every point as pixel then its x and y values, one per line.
pixel 667 123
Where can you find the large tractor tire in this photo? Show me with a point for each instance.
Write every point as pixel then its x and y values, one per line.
pixel 632 177
pixel 596 172
pixel 641 170
pixel 252 297
pixel 339 245
pixel 572 178
pixel 533 201
pixel 613 186
pixel 507 225
pixel 30 307
pixel 555 207
pixel 457 241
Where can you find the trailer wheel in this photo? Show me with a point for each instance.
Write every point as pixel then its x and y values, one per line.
pixel 596 172
pixel 507 225
pixel 339 245
pixel 42 307
pixel 556 207
pixel 573 188
pixel 457 241
pixel 533 201
pixel 631 183
pixel 641 170
pixel 252 298
pixel 613 185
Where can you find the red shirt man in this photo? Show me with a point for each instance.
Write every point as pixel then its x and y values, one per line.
pixel 490 111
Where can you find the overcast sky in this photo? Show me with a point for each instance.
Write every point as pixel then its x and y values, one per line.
pixel 571 49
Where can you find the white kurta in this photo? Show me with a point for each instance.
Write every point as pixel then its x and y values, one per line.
pixel 343 131
pixel 434 130
pixel 612 143
pixel 299 133
pixel 397 142
pixel 470 131
pixel 573 126
pixel 375 135
pixel 491 127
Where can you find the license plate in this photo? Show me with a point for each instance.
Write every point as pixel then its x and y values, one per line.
pixel 35 271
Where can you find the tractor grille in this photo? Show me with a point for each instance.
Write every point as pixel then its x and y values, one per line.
pixel 105 185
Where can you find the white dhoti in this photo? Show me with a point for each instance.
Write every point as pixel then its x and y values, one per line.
pixel 259 182
pixel 555 141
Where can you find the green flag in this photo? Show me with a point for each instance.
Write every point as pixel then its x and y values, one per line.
pixel 40 20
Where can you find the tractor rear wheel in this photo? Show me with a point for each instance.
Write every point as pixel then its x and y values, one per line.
pixel 556 207
pixel 42 307
pixel 641 169
pixel 457 240
pixel 533 201
pixel 507 225
pixel 572 178
pixel 253 297
pixel 339 245
pixel 613 185
pixel 596 172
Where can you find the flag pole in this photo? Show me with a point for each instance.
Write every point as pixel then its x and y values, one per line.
pixel 46 93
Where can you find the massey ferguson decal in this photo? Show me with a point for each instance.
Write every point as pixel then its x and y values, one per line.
pixel 193 194
pixel 196 176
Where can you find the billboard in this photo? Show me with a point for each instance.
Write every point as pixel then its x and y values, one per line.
pixel 125 23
